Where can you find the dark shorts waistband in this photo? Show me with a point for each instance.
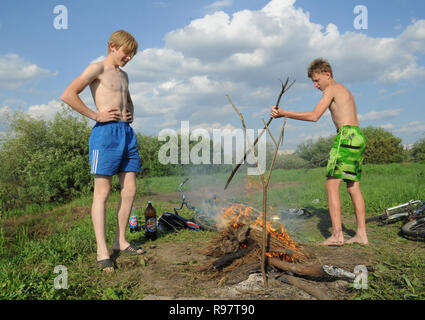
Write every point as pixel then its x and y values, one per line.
pixel 347 126
pixel 112 123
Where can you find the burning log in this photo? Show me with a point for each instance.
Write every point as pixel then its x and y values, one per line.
pixel 277 246
pixel 303 285
pixel 229 258
pixel 238 247
pixel 298 268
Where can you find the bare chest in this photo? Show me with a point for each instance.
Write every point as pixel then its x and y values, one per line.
pixel 112 81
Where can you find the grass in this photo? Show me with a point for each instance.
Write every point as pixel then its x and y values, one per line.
pixel 43 238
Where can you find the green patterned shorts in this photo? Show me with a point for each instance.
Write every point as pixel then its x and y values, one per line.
pixel 346 155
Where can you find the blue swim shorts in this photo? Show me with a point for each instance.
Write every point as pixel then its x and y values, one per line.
pixel 113 149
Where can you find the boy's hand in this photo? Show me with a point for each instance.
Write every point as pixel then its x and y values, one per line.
pixel 107 115
pixel 276 112
pixel 129 116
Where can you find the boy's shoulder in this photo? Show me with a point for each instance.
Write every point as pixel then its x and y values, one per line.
pixel 93 70
pixel 336 88
pixel 96 66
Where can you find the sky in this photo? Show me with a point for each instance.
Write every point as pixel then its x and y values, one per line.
pixel 194 53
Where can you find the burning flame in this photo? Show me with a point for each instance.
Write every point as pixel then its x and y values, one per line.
pixel 283 235
pixel 239 214
pixel 235 214
pixel 252 184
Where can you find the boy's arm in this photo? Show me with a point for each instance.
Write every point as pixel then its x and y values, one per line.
pixel 130 106
pixel 314 115
pixel 71 96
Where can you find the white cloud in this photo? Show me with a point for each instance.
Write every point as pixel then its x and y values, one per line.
pixel 220 4
pixel 160 4
pixel 5 110
pixel 15 71
pixel 98 59
pixel 387 126
pixel 45 111
pixel 244 54
pixel 392 94
pixel 411 127
pixel 380 115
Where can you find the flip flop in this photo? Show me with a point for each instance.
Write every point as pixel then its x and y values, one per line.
pixel 132 250
pixel 105 263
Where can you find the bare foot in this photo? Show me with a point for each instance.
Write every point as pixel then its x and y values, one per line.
pixel 108 270
pixel 358 239
pixel 332 241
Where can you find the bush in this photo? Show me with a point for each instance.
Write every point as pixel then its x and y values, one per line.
pixel 316 153
pixel 382 146
pixel 151 167
pixel 290 161
pixel 44 161
pixel 417 152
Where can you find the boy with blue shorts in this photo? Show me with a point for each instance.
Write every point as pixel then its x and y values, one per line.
pixel 346 155
pixel 113 143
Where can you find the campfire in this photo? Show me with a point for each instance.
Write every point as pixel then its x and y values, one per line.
pixel 241 233
pixel 248 241
pixel 241 226
pixel 236 253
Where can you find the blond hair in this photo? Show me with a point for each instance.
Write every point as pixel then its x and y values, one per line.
pixel 319 65
pixel 122 38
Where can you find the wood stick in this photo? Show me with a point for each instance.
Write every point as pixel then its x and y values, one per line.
pixel 273 244
pixel 298 268
pixel 284 89
pixel 303 285
pixel 229 258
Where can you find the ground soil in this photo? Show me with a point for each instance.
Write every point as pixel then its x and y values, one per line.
pixel 180 271
pixel 175 271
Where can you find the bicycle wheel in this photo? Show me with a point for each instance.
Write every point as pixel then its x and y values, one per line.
pixel 380 217
pixel 415 228
pixel 205 222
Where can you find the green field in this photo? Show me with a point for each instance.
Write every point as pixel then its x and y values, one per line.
pixel 33 242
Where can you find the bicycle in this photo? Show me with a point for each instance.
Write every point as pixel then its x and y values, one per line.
pixel 413 212
pixel 201 218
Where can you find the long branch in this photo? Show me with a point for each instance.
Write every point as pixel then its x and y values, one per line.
pixel 284 89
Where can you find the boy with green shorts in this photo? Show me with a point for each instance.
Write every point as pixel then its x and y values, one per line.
pixel 346 155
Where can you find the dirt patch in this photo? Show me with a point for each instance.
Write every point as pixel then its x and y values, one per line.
pixel 42 225
pixel 180 271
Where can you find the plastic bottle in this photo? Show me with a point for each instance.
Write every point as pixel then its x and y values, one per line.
pixel 132 221
pixel 150 221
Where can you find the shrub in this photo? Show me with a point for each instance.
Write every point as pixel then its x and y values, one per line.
pixel 316 153
pixel 291 161
pixel 382 146
pixel 44 161
pixel 417 152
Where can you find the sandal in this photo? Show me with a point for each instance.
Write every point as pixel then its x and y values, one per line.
pixel 132 250
pixel 104 264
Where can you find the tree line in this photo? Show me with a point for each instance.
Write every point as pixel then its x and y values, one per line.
pixel 45 162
